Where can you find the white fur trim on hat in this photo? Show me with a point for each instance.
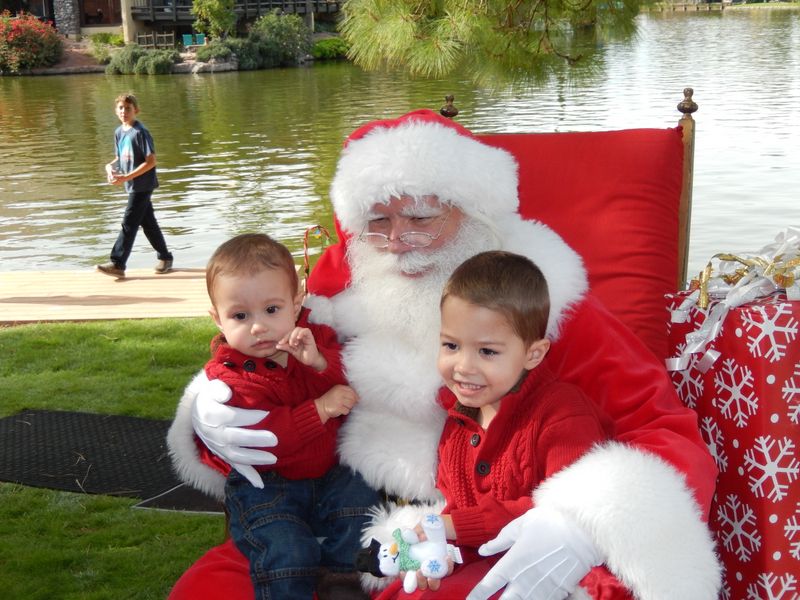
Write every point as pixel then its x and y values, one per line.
pixel 422 157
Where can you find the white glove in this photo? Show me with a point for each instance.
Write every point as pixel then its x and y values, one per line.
pixel 221 428
pixel 548 557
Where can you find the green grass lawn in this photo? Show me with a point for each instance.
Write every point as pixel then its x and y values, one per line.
pixel 81 546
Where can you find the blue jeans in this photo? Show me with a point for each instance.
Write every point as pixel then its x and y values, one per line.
pixel 277 528
pixel 138 212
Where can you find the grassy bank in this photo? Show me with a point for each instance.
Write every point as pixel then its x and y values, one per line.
pixel 78 546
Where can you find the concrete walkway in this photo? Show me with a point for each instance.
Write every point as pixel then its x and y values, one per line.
pixel 38 296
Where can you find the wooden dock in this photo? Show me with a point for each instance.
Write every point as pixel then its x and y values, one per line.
pixel 86 295
pixel 684 6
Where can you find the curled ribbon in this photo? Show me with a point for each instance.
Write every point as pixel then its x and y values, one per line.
pixel 775 267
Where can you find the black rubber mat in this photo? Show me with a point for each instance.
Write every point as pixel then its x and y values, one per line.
pixel 93 454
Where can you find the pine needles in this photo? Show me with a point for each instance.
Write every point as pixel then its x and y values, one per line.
pixel 487 40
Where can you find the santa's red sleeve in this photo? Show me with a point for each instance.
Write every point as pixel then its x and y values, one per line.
pixel 644 498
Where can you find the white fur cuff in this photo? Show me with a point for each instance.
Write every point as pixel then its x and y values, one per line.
pixel 643 520
pixel 183 450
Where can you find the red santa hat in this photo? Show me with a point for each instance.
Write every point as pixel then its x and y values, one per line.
pixel 421 154
pixel 418 154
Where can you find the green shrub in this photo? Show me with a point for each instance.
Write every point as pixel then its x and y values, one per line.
pixel 135 59
pixel 214 49
pixel 330 49
pixel 107 39
pixel 101 45
pixel 282 39
pixel 247 53
pixel 156 62
pixel 124 60
pixel 102 54
pixel 26 43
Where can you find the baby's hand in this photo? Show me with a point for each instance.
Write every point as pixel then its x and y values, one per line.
pixel 300 344
pixel 336 402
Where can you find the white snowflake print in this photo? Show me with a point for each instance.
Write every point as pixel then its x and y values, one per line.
pixel 725 592
pixel 712 436
pixel 778 469
pixel 792 529
pixel 688 383
pixel 770 334
pixel 735 398
pixel 769 586
pixel 791 395
pixel 737 528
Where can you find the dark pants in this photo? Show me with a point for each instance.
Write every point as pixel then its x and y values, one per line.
pixel 138 212
pixel 278 527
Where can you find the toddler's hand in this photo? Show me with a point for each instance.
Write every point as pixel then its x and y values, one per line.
pixel 300 344
pixel 336 402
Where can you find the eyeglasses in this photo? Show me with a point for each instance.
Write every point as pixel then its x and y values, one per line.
pixel 415 239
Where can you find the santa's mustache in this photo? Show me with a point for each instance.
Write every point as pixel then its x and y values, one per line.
pixel 472 237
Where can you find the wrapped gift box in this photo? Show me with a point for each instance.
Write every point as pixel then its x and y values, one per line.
pixel 746 391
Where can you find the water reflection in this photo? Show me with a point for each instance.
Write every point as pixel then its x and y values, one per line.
pixel 256 150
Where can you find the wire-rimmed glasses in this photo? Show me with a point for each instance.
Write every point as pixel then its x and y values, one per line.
pixel 415 239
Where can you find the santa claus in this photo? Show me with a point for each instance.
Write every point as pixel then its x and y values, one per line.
pixel 414 197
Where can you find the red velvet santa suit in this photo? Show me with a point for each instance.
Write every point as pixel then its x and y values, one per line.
pixel 308 447
pixel 642 498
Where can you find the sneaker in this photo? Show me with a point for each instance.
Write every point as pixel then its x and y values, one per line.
pixel 163 266
pixel 111 269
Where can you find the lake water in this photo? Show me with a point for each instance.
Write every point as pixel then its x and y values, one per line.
pixel 256 150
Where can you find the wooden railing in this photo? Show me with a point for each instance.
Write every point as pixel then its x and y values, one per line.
pixel 179 11
pixel 156 40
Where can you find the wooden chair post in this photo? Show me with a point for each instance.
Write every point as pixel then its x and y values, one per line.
pixel 687 106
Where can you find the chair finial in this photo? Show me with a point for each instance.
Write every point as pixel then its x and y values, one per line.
pixel 448 110
pixel 687 106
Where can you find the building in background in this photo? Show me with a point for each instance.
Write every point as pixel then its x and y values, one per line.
pixel 131 18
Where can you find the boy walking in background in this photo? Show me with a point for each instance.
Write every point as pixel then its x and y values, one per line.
pixel 135 166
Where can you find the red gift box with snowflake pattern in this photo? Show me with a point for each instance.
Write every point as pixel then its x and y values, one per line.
pixel 748 405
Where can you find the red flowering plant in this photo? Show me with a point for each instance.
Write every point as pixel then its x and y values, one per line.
pixel 26 43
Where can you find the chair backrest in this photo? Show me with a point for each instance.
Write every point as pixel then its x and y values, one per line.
pixel 146 40
pixel 622 200
pixel 188 40
pixel 201 39
pixel 165 39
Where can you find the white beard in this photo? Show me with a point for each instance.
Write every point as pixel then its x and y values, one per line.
pixel 392 320
pixel 399 294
